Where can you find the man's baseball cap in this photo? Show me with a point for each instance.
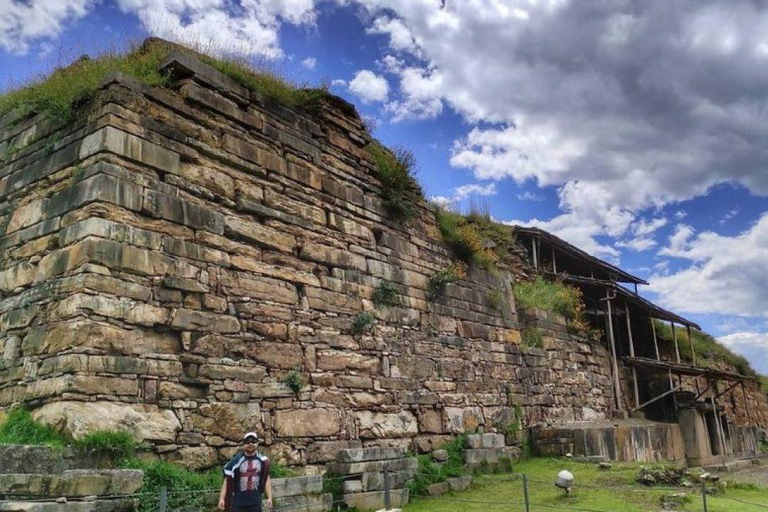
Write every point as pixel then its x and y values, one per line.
pixel 251 436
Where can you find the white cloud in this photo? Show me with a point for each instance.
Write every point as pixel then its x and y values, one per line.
pixel 752 345
pixel 727 275
pixel 470 189
pixel 529 196
pixel 643 231
pixel 369 86
pixel 309 63
pixel 339 83
pixel 680 214
pixel 729 215
pixel 22 23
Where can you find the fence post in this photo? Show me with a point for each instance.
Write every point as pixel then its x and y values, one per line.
pixel 387 497
pixel 162 502
pixel 525 494
pixel 704 495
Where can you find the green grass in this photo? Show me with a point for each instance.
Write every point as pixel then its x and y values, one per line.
pixel 548 296
pixel 708 351
pixel 18 427
pixel 439 280
pixel 179 481
pixel 428 472
pixel 294 381
pixel 475 238
pixel 610 491
pixel 362 322
pixel 532 337
pixel 115 446
pixel 59 94
pixel 397 172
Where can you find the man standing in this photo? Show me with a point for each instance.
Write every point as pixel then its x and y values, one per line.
pixel 246 478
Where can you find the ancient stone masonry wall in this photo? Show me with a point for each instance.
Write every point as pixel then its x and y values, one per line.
pixel 167 261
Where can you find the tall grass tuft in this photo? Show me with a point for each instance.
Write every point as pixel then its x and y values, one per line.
pixel 397 172
pixel 474 238
pixel 20 428
pixel 548 296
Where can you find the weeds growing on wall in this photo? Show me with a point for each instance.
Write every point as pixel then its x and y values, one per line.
pixel 397 171
pixel 294 381
pixel 386 294
pixel 363 322
pixel 117 447
pixel 497 299
pixel 532 337
pixel 708 351
pixel 450 274
pixel 474 238
pixel 428 472
pixel 548 296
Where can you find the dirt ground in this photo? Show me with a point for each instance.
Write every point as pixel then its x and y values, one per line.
pixel 754 474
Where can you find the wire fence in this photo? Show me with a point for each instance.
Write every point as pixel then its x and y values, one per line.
pixel 526 495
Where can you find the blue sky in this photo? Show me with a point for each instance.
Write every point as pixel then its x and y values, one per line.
pixel 637 131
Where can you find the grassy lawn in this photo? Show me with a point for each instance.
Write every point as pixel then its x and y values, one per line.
pixel 595 489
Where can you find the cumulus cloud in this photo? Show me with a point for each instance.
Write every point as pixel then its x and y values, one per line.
pixel 465 191
pixel 752 345
pixel 22 23
pixel 309 63
pixel 726 274
pixel 244 27
pixel 650 102
pixel 643 230
pixel 369 86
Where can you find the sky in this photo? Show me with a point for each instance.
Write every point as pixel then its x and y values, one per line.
pixel 634 129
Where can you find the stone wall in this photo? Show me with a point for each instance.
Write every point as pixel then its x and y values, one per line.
pixel 170 258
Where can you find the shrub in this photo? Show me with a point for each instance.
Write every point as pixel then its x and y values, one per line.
pixel 294 381
pixel 362 322
pixel 386 294
pixel 181 484
pixel 450 274
pixel 548 296
pixel 475 238
pixel 115 446
pixel 397 172
pixel 20 428
pixel 532 337
pixel 429 473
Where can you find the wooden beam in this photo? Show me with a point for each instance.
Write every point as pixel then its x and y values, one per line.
pixel 746 405
pixel 656 399
pixel 677 348
pixel 535 254
pixel 554 263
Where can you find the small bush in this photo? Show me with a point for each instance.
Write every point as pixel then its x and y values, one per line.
pixel 548 296
pixel 386 294
pixel 533 337
pixel 115 446
pixel 475 238
pixel 362 322
pixel 450 274
pixel 429 473
pixel 294 381
pixel 181 484
pixel 397 171
pixel 20 428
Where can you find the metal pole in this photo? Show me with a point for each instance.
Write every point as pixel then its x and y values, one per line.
pixel 387 497
pixel 617 388
pixel 632 354
pixel 704 495
pixel 162 502
pixel 690 340
pixel 655 341
pixel 525 494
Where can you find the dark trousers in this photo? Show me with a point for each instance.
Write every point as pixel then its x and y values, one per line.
pixel 250 508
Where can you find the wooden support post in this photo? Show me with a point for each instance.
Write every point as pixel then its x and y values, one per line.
pixel 535 254
pixel 690 340
pixel 616 385
pixel 677 348
pixel 632 354
pixel 746 405
pixel 554 263
pixel 720 432
pixel 655 341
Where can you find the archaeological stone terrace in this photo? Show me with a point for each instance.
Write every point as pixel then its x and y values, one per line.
pixel 187 263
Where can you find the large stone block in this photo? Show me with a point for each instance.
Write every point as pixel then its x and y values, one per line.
pixel 258 287
pixel 143 422
pixel 260 234
pixel 379 425
pixel 228 420
pixel 193 320
pixel 333 256
pixel 297 486
pixel 325 451
pixel 183 212
pixel 110 139
pixel 375 500
pixel 308 423
pixel 342 360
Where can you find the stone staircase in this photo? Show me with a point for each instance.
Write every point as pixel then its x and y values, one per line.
pixel 44 479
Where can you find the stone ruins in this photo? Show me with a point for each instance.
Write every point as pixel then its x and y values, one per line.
pixel 188 263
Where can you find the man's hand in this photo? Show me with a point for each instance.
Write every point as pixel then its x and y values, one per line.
pixel 222 504
pixel 269 502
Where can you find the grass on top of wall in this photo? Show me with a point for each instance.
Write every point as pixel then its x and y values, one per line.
pixel 548 296
pixel 397 172
pixel 474 238
pixel 59 94
pixel 709 351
